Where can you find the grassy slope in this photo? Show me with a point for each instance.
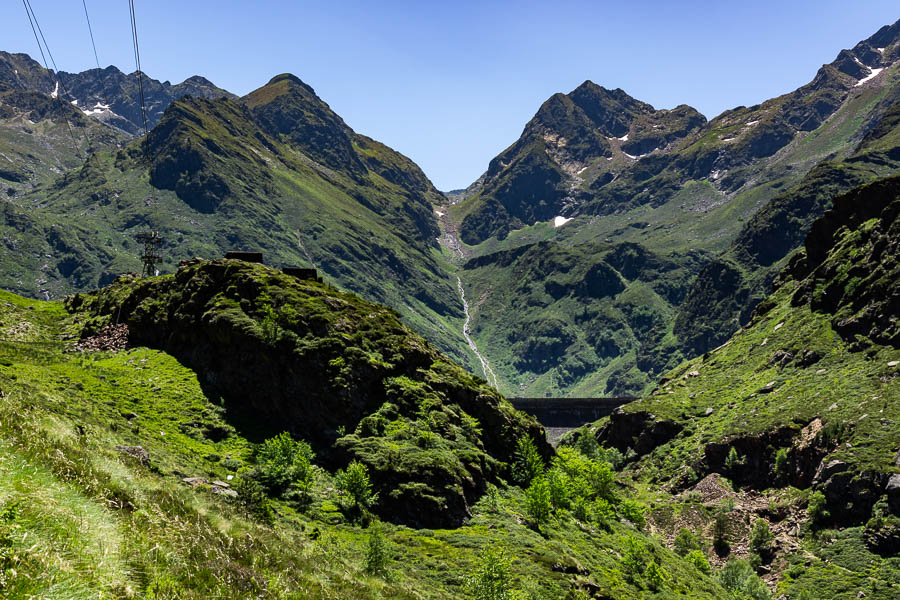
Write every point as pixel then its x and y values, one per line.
pixel 794 379
pixel 94 520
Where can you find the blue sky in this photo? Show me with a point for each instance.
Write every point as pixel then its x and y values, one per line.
pixel 451 84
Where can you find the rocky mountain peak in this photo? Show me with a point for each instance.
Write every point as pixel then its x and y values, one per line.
pixel 288 108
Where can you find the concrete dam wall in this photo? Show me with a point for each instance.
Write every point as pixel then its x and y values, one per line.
pixel 559 415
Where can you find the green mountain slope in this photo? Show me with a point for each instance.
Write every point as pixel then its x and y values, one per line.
pixel 799 410
pixel 124 474
pixel 723 203
pixel 223 176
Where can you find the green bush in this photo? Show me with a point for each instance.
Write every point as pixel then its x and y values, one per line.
pixel 252 496
pixel 538 501
pixel 656 576
pixel 492 580
pixel 733 460
pixel 356 484
pixel 739 577
pixel 284 463
pixel 720 532
pixel 528 463
pixel 376 553
pixel 698 559
pixel 816 509
pixel 634 561
pixel 686 541
pixel 761 538
pixel 560 488
pixel 633 511
pixel 781 463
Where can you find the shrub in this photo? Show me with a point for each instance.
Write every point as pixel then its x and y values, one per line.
pixel 634 561
pixel 587 444
pixel 252 496
pixel 283 462
pixel 269 325
pixel 761 538
pixel 656 576
pixel 491 580
pixel 720 532
pixel 528 463
pixel 698 559
pixel 538 501
pixel 686 541
pixel 560 488
pixel 634 512
pixel 492 497
pixel 781 463
pixel 738 577
pixel 733 460
pixel 376 553
pixel 356 484
pixel 816 509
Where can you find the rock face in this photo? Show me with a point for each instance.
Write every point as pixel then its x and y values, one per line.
pixel 537 178
pixel 285 354
pixel 858 288
pixel 108 95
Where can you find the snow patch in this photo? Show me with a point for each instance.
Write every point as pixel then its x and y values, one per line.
pixel 881 50
pixel 55 91
pixel 609 158
pixel 74 102
pixel 752 123
pixel 629 155
pixel 624 138
pixel 581 170
pixel 560 221
pixel 873 73
pixel 439 213
pixel 98 109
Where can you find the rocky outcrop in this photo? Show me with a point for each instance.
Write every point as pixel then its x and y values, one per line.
pixel 639 431
pixel 344 374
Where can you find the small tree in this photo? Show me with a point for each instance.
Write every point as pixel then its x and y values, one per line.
pixel 634 561
pixel 376 553
pixel 781 458
pixel 491 580
pixel 538 501
pixel 720 533
pixel 733 460
pixel 633 511
pixel 356 484
pixel 816 509
pixel 252 496
pixel 283 462
pixel 560 488
pixel 761 538
pixel 738 577
pixel 528 463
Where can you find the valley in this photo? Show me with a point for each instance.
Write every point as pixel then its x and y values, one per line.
pixel 647 354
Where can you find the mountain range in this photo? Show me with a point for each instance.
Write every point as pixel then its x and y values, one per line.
pixel 589 250
pixel 227 429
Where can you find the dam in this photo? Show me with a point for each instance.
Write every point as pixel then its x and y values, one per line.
pixel 560 415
